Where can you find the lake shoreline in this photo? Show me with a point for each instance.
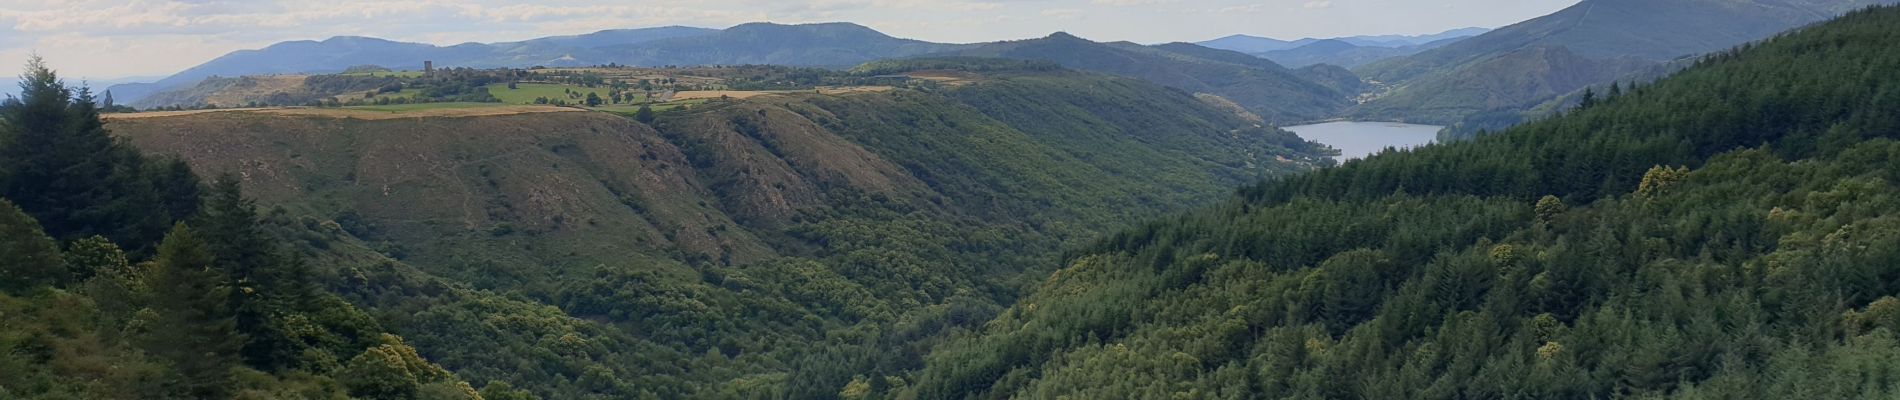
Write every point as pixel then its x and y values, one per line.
pixel 1360 139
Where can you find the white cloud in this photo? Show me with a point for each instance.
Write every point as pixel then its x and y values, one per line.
pixel 1317 4
pixel 1243 9
pixel 1062 13
pixel 1129 3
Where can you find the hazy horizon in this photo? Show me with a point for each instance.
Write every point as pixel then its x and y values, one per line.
pixel 110 40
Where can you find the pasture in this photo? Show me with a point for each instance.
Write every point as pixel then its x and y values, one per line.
pixel 525 93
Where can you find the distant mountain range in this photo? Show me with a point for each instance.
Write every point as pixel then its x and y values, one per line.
pixel 1593 42
pixel 1345 53
pixel 1351 51
pixel 1526 68
pixel 1255 44
pixel 817 45
pixel 1261 86
pixel 10 85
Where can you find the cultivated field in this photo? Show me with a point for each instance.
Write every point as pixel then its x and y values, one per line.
pixel 525 93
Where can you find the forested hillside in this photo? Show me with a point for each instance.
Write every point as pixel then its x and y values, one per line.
pixel 1728 232
pixel 1264 88
pixel 126 276
pixel 1595 42
pixel 789 245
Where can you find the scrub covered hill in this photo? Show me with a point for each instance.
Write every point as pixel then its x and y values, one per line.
pixel 1264 88
pixel 1728 232
pixel 780 245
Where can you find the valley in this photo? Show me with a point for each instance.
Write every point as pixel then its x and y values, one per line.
pixel 1687 199
pixel 900 198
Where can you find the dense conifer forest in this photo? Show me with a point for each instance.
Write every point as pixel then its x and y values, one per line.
pixel 1729 232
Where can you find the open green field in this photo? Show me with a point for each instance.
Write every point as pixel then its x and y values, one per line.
pixel 424 106
pixel 359 95
pixel 525 93
pixel 633 108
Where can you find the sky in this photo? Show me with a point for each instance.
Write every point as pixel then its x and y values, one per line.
pixel 104 40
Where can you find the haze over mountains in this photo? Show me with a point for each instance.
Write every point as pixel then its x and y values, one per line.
pixel 1256 44
pixel 1351 51
pixel 814 45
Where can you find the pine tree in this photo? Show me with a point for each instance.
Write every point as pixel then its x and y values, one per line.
pixel 1589 99
pixel 228 226
pixel 195 332
pixel 179 192
pixel 58 163
pixel 644 115
pixel 267 284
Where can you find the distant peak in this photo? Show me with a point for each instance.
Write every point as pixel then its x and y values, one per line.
pixel 1064 36
pixel 1244 36
pixel 352 39
pixel 810 25
pixel 656 28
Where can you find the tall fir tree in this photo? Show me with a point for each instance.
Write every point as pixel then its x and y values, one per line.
pixel 195 333
pixel 58 163
pixel 228 225
pixel 267 284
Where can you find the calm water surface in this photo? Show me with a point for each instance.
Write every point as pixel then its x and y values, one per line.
pixel 1360 139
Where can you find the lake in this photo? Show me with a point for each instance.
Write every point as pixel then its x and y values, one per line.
pixel 1360 139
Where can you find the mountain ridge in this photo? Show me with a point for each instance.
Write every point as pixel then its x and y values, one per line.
pixel 1596 32
pixel 1261 86
pixel 836 44
pixel 1252 44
